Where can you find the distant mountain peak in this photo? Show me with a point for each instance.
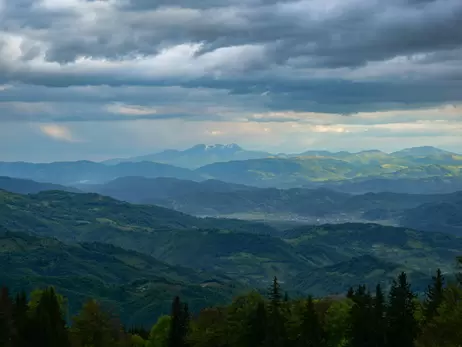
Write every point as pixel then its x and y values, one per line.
pixel 421 151
pixel 217 146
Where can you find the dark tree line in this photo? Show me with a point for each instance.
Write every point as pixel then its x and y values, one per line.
pixel 363 318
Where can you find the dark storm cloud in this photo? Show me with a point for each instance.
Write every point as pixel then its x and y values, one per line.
pixel 350 35
pixel 303 56
pixel 204 4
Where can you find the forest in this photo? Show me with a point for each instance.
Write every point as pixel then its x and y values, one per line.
pixel 363 317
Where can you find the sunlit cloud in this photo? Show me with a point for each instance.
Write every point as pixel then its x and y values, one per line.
pixel 130 110
pixel 57 132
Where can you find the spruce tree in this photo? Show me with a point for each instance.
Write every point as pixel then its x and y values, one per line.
pixel 179 324
pixel 401 322
pixel 48 323
pixel 276 334
pixel 459 267
pixel 311 332
pixel 21 320
pixel 434 296
pixel 6 318
pixel 256 327
pixel 378 318
pixel 361 324
pixel 350 293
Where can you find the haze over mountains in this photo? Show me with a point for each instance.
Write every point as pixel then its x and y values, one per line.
pixel 283 171
pixel 201 155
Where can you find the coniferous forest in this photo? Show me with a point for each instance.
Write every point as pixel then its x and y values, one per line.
pixel 363 317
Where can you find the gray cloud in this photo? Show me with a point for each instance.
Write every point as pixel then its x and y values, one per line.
pixel 350 33
pixel 73 58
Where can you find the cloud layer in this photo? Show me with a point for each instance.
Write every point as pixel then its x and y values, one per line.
pixel 221 70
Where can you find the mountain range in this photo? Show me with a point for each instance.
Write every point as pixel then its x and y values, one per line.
pixel 201 155
pixel 134 232
pixel 196 156
pixel 315 206
pixel 343 171
pixel 212 198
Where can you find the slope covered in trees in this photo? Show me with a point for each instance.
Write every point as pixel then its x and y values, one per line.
pixel 138 286
pixel 305 258
pixel 302 205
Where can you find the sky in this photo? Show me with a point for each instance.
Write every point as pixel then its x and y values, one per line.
pixel 94 79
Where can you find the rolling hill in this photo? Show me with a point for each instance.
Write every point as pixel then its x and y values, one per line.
pixel 250 253
pixel 314 171
pixel 315 206
pixel 352 253
pixel 140 286
pixel 279 172
pixel 311 169
pixel 23 186
pixel 440 215
pixel 429 185
pixel 153 190
pixel 74 173
pixel 242 248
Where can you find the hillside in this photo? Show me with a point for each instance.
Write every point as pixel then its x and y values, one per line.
pixel 423 151
pixel 72 214
pixel 443 215
pixel 429 185
pixel 365 269
pixel 140 286
pixel 23 186
pixel 229 246
pixel 278 172
pixel 332 243
pixel 251 253
pixel 78 172
pixel 315 206
pixel 315 170
pixel 153 190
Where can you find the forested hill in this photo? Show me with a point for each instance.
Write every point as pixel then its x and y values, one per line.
pixel 307 259
pixel 137 286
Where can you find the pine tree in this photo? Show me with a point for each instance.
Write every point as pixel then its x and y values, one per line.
pixel 48 324
pixel 275 295
pixel 256 326
pixel 350 293
pixel 311 332
pixel 21 320
pixel 459 267
pixel 6 318
pixel 276 334
pixel 401 322
pixel 361 323
pixel 378 318
pixel 434 296
pixel 179 324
